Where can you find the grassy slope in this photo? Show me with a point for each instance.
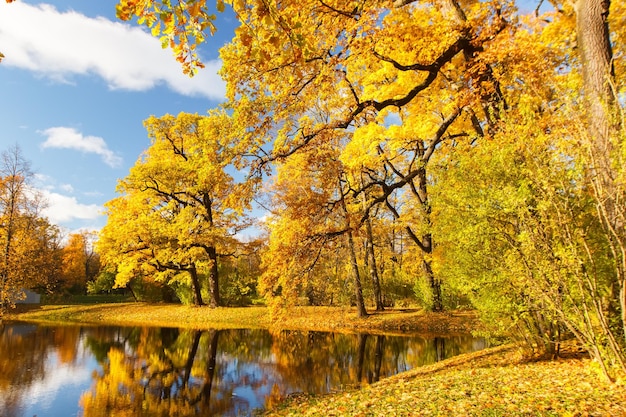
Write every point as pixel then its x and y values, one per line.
pixel 493 382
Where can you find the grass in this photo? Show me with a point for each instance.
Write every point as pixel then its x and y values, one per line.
pixel 306 318
pixel 493 382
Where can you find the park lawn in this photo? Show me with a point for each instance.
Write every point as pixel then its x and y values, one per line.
pixel 336 319
pixel 494 382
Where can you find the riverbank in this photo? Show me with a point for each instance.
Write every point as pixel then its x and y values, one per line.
pixel 335 319
pixel 491 383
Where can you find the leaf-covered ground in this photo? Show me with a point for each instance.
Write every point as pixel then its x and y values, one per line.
pixel 493 382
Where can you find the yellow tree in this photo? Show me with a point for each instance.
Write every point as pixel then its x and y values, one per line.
pixel 310 217
pixel 410 77
pixel 128 262
pixel 81 263
pixel 181 207
pixel 541 199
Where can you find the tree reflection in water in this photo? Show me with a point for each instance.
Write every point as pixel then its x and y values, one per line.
pixel 250 369
pixel 165 372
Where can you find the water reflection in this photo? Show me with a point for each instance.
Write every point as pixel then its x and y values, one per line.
pixel 116 371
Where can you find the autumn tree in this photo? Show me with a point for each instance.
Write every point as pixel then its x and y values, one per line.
pixel 81 263
pixel 404 84
pixel 40 253
pixel 180 207
pixel 310 218
pixel 29 241
pixel 539 200
pixel 604 141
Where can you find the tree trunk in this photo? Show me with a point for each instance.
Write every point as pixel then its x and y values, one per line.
pixel 214 284
pixel 358 288
pixel 370 256
pixel 378 294
pixel 433 282
pixel 596 57
pixel 132 292
pixel 195 286
pixel 596 54
pixel 426 241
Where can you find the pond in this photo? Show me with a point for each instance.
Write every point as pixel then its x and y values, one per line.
pixel 128 371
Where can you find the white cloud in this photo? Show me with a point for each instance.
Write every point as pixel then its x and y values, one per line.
pixel 43 181
pixel 70 138
pixel 64 209
pixel 68 188
pixel 58 45
pixel 61 383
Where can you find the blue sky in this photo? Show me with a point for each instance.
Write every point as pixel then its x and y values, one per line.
pixel 76 85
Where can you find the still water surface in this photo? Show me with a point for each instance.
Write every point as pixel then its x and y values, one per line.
pixel 126 371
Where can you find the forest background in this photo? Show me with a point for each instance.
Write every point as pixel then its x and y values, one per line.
pixel 448 154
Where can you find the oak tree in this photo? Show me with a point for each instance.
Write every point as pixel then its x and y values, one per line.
pixel 180 207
